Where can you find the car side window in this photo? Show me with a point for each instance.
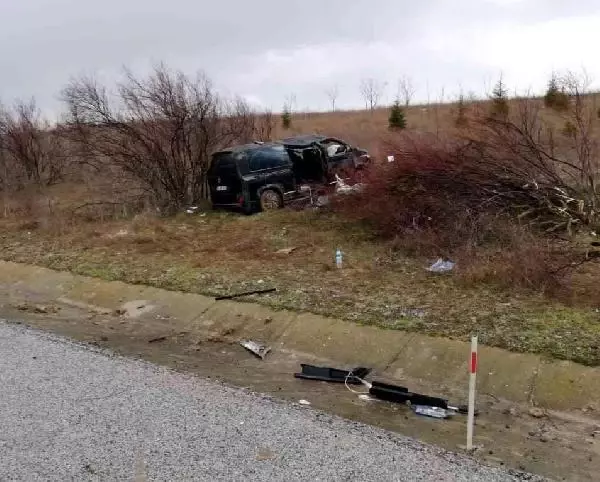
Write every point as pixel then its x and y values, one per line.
pixel 268 158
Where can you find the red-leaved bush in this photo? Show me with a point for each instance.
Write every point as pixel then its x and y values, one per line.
pixel 468 202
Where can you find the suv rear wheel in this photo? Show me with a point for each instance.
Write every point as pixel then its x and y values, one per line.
pixel 270 200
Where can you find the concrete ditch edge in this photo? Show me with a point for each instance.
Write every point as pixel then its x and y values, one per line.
pixel 433 362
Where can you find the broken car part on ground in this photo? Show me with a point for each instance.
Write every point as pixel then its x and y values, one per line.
pixel 264 176
pixel 246 293
pixel 258 349
pixel 312 372
pixel 427 405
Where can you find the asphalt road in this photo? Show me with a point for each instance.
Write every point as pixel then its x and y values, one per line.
pixel 71 412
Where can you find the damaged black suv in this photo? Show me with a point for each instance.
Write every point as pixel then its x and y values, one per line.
pixel 266 175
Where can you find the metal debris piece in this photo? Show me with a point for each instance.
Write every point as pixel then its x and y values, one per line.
pixel 246 293
pixel 157 339
pixel 327 374
pixel 398 394
pixel 259 350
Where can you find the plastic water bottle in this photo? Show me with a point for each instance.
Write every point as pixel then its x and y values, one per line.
pixel 338 258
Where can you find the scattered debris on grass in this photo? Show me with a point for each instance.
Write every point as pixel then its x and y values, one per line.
pixel 412 313
pixel 195 260
pixel 441 266
pixel 258 349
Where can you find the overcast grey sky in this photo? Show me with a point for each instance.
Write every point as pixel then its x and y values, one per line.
pixel 265 50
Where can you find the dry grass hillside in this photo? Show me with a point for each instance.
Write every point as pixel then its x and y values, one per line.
pixel 368 128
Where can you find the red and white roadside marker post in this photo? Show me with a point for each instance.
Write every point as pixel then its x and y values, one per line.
pixel 472 376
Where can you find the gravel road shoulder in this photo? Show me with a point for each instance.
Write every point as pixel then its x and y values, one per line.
pixel 72 412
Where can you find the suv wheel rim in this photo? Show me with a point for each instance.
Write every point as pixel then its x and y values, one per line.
pixel 270 200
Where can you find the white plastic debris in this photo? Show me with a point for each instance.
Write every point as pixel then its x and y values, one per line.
pixel 441 266
pixel 339 258
pixel 434 412
pixel 258 349
pixel 303 402
pixel 390 158
pixel 342 188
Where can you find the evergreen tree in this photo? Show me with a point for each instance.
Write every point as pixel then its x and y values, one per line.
pixel 396 119
pixel 555 97
pixel 500 99
pixel 286 117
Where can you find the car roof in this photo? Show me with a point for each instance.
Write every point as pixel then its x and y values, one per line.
pixel 303 141
pixel 294 142
pixel 247 147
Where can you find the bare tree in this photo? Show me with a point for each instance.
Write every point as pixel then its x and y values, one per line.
pixel 161 130
pixel 333 93
pixel 264 124
pixel 290 102
pixel 371 91
pixel 31 147
pixel 406 89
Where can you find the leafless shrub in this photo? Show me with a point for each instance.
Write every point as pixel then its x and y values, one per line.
pixel 31 150
pixel 264 123
pixel 161 130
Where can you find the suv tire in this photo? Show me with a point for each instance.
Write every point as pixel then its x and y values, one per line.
pixel 270 200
